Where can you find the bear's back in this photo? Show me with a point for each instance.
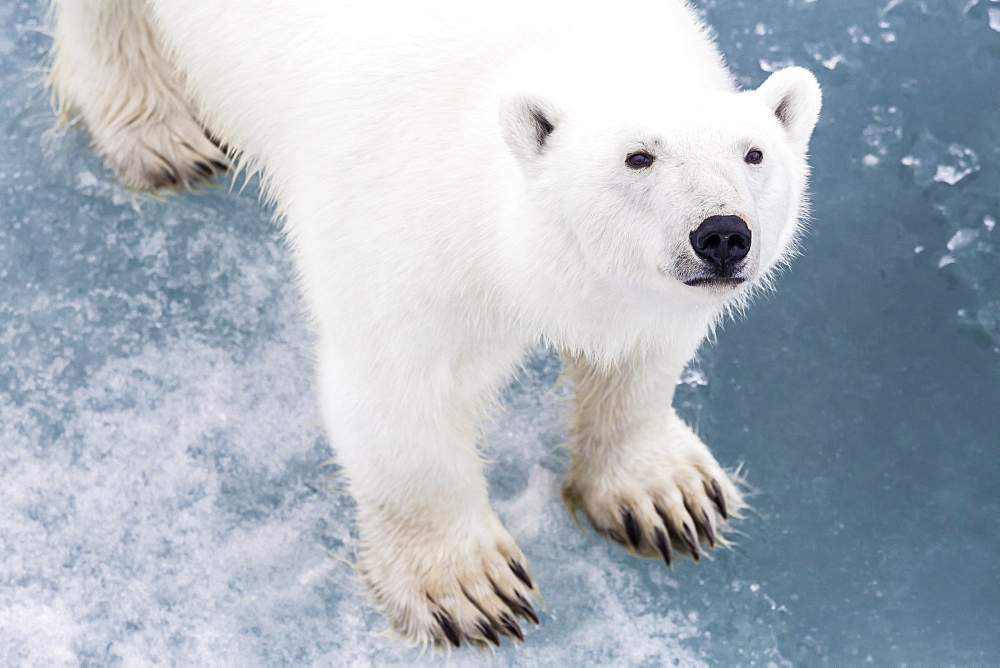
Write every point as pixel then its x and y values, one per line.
pixel 415 78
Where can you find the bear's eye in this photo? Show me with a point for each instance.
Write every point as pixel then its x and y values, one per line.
pixel 639 160
pixel 754 156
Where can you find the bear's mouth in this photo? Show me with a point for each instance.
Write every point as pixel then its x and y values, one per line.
pixel 715 281
pixel 710 278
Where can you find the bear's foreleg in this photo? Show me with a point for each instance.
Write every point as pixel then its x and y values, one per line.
pixel 436 560
pixel 639 473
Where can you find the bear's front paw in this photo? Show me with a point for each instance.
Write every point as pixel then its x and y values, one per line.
pixel 657 502
pixel 442 590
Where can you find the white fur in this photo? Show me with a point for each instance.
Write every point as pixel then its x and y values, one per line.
pixel 437 235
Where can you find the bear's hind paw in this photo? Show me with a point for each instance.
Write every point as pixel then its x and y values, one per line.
pixel 170 154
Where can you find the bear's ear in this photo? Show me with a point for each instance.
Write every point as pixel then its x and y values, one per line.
pixel 794 96
pixel 526 122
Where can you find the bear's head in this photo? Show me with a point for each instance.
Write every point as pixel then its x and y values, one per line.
pixel 696 191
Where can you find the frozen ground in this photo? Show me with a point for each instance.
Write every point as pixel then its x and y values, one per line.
pixel 161 489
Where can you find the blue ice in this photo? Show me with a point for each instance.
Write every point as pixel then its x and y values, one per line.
pixel 163 492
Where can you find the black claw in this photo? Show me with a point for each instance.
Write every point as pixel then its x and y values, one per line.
pixel 719 499
pixel 690 541
pixel 707 529
pixel 203 168
pixel 219 165
pixel 631 528
pixel 521 574
pixel 169 176
pixel 518 606
pixel 663 545
pixel 449 628
pixel 526 609
pixel 486 630
pixel 672 536
pixel 702 527
pixel 510 626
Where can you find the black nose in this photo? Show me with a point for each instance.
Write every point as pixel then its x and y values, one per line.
pixel 722 240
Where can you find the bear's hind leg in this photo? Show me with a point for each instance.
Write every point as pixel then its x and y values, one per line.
pixel 108 70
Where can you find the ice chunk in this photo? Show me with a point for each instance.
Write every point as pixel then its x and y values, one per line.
pixel 773 65
pixel 892 4
pixel 935 161
pixel 945 261
pixel 972 258
pixel 985 321
pixel 826 55
pixel 884 133
pixel 989 319
pixel 962 238
pixel 858 35
pixel 693 377
pixel 951 174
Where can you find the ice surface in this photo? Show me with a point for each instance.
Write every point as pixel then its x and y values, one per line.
pixel 163 492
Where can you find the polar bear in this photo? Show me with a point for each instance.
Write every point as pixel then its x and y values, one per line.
pixel 458 182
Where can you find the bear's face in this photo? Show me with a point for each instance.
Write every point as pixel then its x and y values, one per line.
pixel 702 196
